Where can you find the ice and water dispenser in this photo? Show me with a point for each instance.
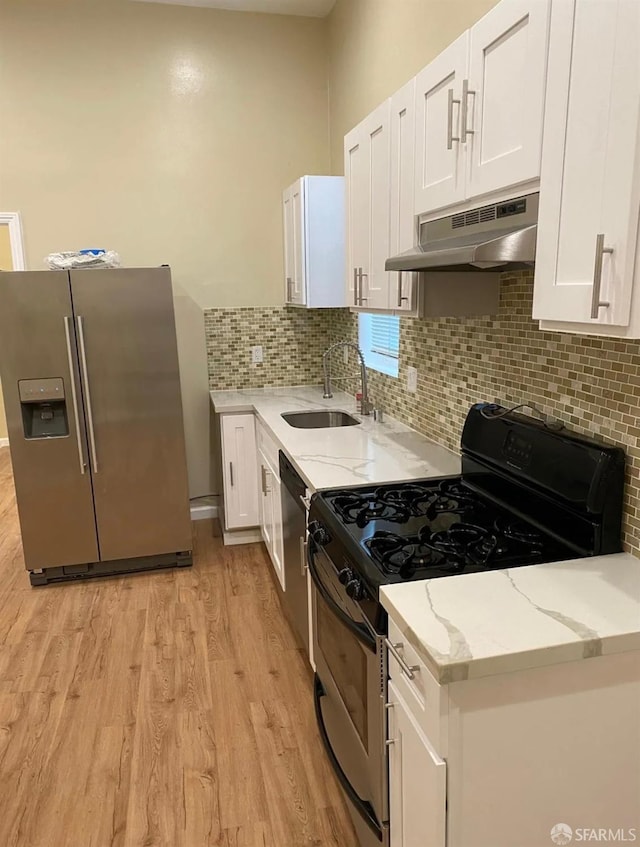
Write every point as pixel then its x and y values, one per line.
pixel 44 408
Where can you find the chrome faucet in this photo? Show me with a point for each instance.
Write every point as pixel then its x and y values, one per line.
pixel 367 406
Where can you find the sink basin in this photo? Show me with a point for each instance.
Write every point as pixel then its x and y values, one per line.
pixel 319 419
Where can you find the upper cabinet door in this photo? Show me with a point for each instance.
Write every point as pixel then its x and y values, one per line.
pixel 289 250
pixel 590 186
pixel 439 160
pixel 374 284
pixel 298 287
pixel 403 290
pixel 367 160
pixel 503 100
pixel 357 210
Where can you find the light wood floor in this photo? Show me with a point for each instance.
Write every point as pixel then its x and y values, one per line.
pixel 167 710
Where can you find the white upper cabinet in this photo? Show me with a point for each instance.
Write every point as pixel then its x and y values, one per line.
pixel 439 161
pixel 367 172
pixel 590 185
pixel 502 109
pixel 480 107
pixel 379 171
pixel 313 219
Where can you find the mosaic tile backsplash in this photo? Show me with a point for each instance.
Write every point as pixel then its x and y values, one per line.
pixel 591 383
pixel 293 341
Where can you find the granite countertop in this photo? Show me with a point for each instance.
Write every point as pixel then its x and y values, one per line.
pixel 371 452
pixel 475 625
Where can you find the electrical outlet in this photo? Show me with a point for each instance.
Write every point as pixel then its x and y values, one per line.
pixel 345 355
pixel 412 379
pixel 256 355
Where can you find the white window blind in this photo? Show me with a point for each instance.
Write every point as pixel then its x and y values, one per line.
pixel 379 339
pixel 385 335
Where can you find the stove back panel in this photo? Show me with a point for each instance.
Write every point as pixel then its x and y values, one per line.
pixel 570 484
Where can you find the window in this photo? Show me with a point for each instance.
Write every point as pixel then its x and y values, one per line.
pixel 379 339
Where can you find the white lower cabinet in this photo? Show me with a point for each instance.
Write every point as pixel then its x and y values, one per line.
pixel 239 470
pixel 270 503
pixel 417 781
pixel 499 760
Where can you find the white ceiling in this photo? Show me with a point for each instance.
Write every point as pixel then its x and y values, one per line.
pixel 308 8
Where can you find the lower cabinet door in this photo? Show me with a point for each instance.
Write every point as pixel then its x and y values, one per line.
pixel 277 550
pixel 417 781
pixel 239 471
pixel 271 515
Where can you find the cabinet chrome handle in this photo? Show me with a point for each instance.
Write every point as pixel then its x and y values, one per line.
pixel 401 299
pixel 464 106
pixel 303 556
pixel 362 276
pixel 74 396
pixel 596 302
pixel 389 742
pixel 450 136
pixel 389 706
pixel 87 394
pixel 289 281
pixel 355 286
pixel 408 670
pixel 264 480
pixel 306 502
pixel 231 473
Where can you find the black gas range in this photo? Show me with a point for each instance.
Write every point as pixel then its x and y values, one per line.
pixel 527 494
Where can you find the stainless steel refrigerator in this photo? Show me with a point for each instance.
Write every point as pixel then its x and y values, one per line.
pixel 89 369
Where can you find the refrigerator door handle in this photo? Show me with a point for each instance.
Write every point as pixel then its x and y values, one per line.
pixel 87 394
pixel 74 396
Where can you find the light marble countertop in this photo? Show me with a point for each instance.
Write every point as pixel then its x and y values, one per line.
pixel 475 625
pixel 371 452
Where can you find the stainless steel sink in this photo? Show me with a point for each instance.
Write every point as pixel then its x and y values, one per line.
pixel 319 419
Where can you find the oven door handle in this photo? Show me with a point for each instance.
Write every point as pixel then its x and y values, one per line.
pixel 361 633
pixel 365 809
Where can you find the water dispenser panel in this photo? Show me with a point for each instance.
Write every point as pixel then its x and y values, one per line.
pixel 39 390
pixel 44 408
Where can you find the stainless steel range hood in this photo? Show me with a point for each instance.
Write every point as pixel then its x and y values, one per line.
pixel 495 237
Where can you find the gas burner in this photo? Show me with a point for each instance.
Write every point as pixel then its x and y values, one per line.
pixel 519 531
pixel 415 498
pixel 404 556
pixel 458 538
pixel 359 510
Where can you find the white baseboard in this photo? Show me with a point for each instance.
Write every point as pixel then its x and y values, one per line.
pixel 241 536
pixel 203 513
pixel 4 442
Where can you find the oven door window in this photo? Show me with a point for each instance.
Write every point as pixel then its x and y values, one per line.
pixel 347 662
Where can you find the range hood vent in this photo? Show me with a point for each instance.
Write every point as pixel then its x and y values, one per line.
pixel 499 236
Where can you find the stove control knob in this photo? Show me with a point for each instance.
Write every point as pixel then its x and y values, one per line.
pixel 319 534
pixel 345 576
pixel 355 589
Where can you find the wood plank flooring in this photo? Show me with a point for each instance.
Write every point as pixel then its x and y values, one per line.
pixel 170 709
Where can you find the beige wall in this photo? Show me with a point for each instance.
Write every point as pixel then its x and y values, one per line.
pixel 166 133
pixel 375 46
pixel 6 264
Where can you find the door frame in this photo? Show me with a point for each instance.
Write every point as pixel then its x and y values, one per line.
pixel 14 222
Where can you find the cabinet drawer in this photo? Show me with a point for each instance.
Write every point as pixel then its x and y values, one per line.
pixel 268 447
pixel 425 697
